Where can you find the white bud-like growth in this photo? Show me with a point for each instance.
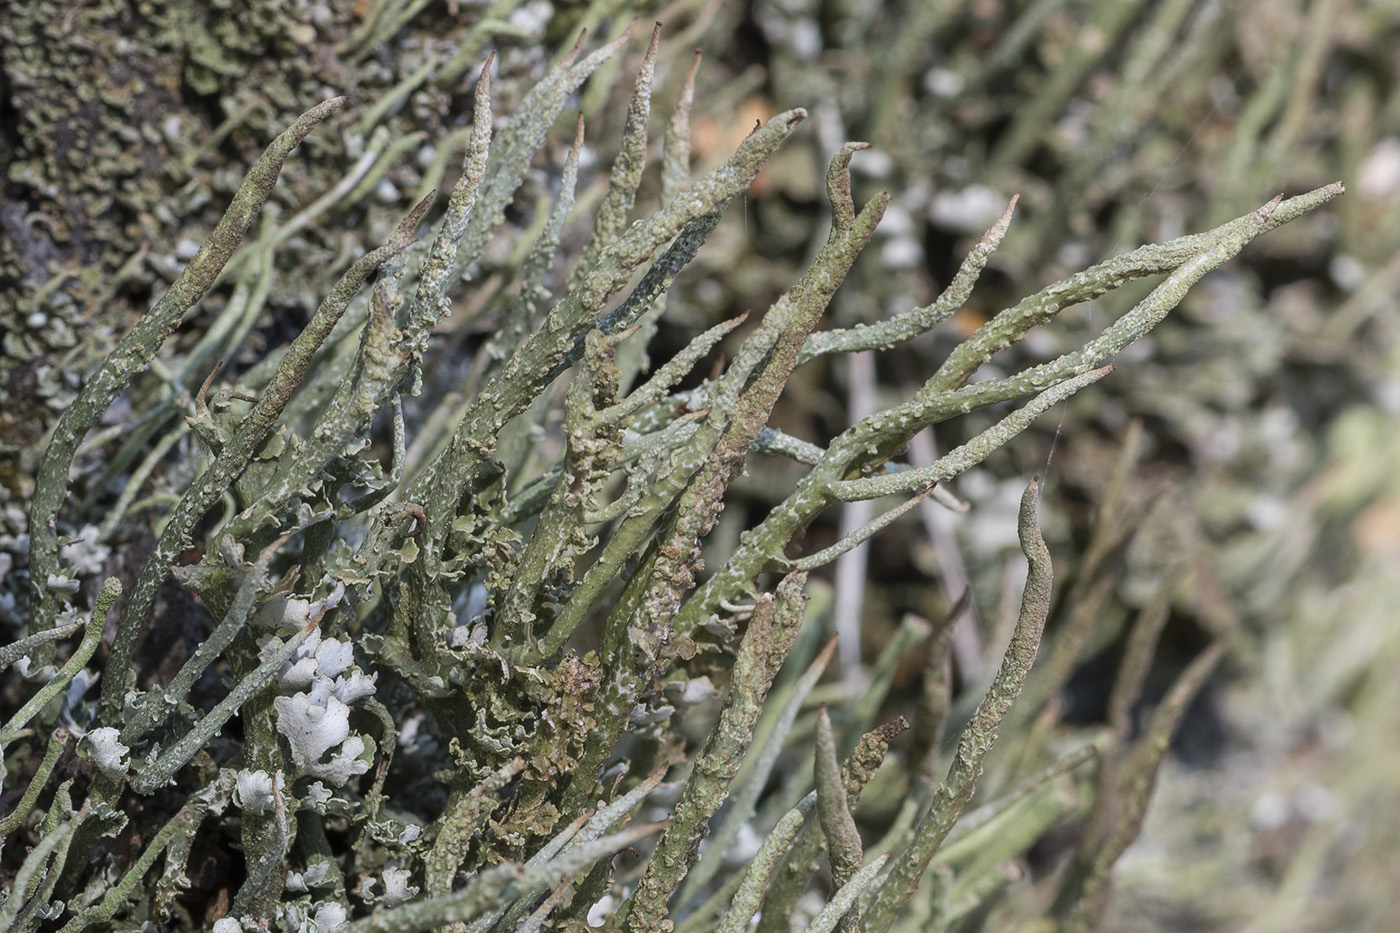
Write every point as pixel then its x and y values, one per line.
pixel 107 752
pixel 256 790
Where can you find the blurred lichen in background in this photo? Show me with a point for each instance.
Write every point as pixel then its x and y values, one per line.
pixel 431 636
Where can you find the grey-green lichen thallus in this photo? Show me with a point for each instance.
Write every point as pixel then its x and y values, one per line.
pixel 454 646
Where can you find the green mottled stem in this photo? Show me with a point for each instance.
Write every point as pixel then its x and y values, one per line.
pixel 138 348
pixel 776 844
pixel 265 845
pixel 844 902
pixel 890 333
pixel 627 168
pixel 944 396
pixel 740 412
pixel 534 272
pixel 511 389
pixel 859 536
pixel 675 160
pixel 1188 258
pixel 960 459
pixel 430 302
pixel 160 771
pixel 652 500
pixel 231 461
pixel 793 317
pixel 515 146
pixel 772 630
pixel 35 871
pixel 843 844
pixel 496 887
pixel 146 711
pixel 583 830
pixel 106 599
pixel 15 650
pixel 593 445
pixel 132 882
pixel 773 441
pixel 661 275
pixel 675 369
pixel 461 820
pixel 769 744
pixel 58 743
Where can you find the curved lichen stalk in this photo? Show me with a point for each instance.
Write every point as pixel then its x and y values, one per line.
pixel 518 565
pixel 136 350
pixel 866 445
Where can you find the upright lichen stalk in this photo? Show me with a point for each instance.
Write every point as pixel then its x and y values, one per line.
pixel 457 674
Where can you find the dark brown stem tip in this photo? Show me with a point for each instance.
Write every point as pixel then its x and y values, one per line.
pixel 199 397
pixel 1264 211
pixel 411 219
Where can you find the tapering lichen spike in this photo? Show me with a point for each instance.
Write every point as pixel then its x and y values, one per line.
pixel 749 897
pixel 1083 896
pixel 533 292
pixel 791 878
pixel 594 444
pixel 160 770
pixel 92 635
pixel 843 902
pixel 763 650
pixel 440 268
pixel 131 882
pixel 627 168
pixel 886 334
pixel 517 143
pixel 769 741
pixel 139 347
pixel 675 162
pixel 863 534
pixel 1187 262
pixel 553 347
pixel 980 734
pixel 57 745
pixel 673 371
pixel 480 585
pixel 961 459
pixel 466 809
pixel 869 443
pixel 843 844
pixel 235 454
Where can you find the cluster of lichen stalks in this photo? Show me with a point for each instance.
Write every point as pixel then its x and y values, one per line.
pixel 471 572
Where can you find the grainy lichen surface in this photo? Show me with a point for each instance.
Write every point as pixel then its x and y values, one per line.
pixel 476 538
